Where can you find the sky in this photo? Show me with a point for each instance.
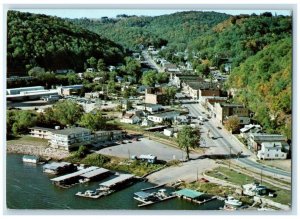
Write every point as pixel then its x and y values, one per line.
pixel 98 13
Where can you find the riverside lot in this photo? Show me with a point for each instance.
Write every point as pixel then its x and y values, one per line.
pixel 146 146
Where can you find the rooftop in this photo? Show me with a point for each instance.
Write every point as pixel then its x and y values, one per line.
pixel 267 137
pixel 189 193
pixel 69 131
pixel 114 181
pixel 42 128
pixel 95 172
pixel 71 175
pixel 165 113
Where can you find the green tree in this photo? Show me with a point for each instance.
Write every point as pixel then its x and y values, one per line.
pixel 170 94
pixel 92 61
pixel 35 71
pixel 188 138
pixel 93 120
pixel 67 112
pixel 232 123
pixel 162 77
pixel 23 119
pixel 149 78
pixel 101 65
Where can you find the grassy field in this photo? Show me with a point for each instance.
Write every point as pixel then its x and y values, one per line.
pixel 25 139
pixel 135 167
pixel 283 196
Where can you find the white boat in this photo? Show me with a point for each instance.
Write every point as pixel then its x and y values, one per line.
pixel 233 202
pixel 94 194
pixel 30 159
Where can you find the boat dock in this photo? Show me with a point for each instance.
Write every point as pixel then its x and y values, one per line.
pixel 192 196
pixel 152 198
pixel 83 175
pixel 117 181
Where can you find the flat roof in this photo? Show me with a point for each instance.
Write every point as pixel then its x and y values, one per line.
pixel 42 128
pixel 21 88
pixel 143 195
pixel 41 92
pixel 55 165
pixel 165 113
pixel 114 181
pixel 68 131
pixel 189 193
pixel 95 172
pixel 71 175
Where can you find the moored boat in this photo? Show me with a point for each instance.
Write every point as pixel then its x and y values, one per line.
pixel 30 159
pixel 231 201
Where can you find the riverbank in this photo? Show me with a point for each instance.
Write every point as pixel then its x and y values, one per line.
pixel 33 146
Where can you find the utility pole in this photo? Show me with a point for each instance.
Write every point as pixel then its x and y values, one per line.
pixel 261 171
pixel 197 174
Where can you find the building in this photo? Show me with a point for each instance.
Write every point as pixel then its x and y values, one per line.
pixel 70 90
pixel 14 91
pixel 58 168
pixel 255 189
pixel 198 89
pixel 251 128
pixel 104 136
pixel 149 107
pixel 28 93
pixel 147 122
pixel 90 70
pixel 160 117
pixel 130 118
pixel 271 151
pixel 222 111
pixel 41 132
pixel 155 95
pixel 255 141
pixel 70 138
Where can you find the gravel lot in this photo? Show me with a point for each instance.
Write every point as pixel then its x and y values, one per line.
pixel 146 146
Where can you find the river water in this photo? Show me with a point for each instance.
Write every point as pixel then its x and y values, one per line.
pixel 27 187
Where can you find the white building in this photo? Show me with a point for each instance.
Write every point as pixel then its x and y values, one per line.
pixel 41 132
pixel 160 117
pixel 69 138
pixel 271 151
pixel 149 107
pixel 147 122
pixel 130 119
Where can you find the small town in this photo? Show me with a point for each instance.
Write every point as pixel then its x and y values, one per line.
pixel 148 128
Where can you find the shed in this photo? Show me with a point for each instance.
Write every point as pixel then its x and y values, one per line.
pixel 188 193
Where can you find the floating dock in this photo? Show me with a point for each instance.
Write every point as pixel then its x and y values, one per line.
pixel 83 175
pixel 192 196
pixel 117 181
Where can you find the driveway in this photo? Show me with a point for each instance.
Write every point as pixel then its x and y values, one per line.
pixel 146 146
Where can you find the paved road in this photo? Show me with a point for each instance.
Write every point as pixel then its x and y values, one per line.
pixel 226 144
pixel 151 62
pixel 146 146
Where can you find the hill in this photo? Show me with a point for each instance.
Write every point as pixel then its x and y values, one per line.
pixel 53 43
pixel 173 30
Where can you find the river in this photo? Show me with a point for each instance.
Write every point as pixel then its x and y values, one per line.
pixel 27 187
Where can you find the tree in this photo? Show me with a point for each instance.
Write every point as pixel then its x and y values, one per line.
pixel 35 71
pixel 92 62
pixel 232 123
pixel 188 138
pixel 67 112
pixel 93 120
pixel 149 78
pixel 170 94
pixel 162 77
pixel 23 119
pixel 101 65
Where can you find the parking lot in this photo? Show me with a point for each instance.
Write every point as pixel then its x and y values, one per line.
pixel 145 146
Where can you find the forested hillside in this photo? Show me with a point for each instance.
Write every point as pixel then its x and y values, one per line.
pixel 175 30
pixel 264 85
pixel 240 37
pixel 53 43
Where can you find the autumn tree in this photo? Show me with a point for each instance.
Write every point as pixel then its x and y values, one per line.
pixel 232 123
pixel 188 138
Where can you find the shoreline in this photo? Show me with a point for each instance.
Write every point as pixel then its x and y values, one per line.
pixel 44 152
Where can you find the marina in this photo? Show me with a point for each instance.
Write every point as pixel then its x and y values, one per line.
pixel 94 194
pixel 152 198
pixel 118 182
pixel 194 196
pixel 59 168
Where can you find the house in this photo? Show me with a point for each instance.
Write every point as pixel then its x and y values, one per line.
pixel 149 107
pixel 251 128
pixel 147 122
pixel 222 111
pixel 98 79
pixel 64 71
pixel 160 117
pixel 41 132
pixel 255 141
pixel 141 89
pixel 155 95
pixel 70 90
pixel 271 151
pixel 170 131
pixel 130 118
pixel 182 119
pixel 70 138
pixel 90 70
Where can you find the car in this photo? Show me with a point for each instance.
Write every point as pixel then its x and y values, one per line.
pixel 219 127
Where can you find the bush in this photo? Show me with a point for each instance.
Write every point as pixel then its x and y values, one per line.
pixel 96 160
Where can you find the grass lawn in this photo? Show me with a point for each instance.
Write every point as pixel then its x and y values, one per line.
pixel 25 139
pixel 283 196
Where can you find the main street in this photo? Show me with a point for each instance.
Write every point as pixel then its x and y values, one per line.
pixel 151 62
pixel 225 143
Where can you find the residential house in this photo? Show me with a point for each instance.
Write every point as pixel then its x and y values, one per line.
pixel 222 111
pixel 41 132
pixel 255 141
pixel 130 118
pixel 70 138
pixel 147 122
pixel 271 151
pixel 160 117
pixel 255 189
